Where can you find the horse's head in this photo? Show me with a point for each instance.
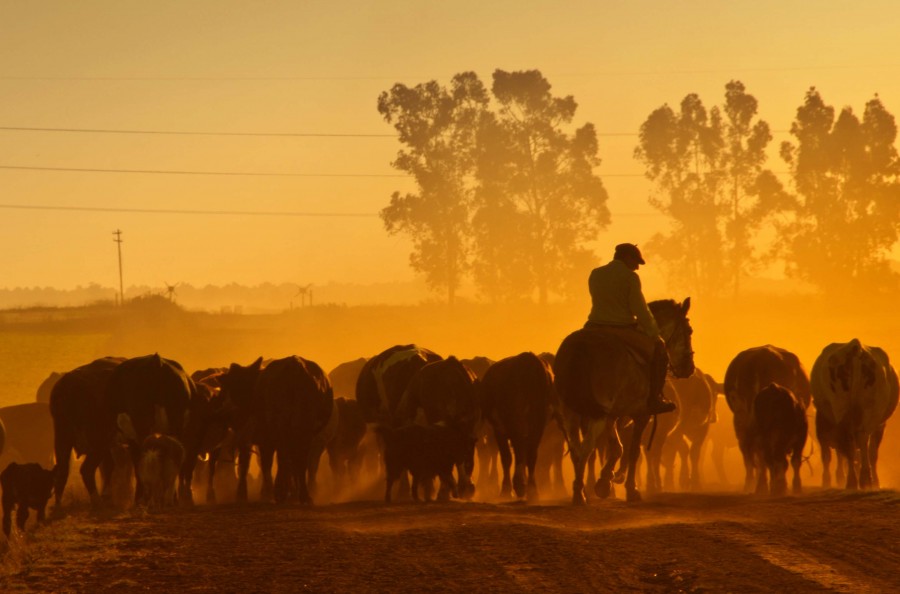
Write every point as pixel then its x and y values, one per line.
pixel 675 328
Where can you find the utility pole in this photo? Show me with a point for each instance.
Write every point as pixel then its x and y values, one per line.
pixel 118 240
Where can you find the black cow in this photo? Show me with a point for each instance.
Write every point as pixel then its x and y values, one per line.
pixel 486 444
pixel 297 401
pixel 426 452
pixel 778 430
pixel 155 395
pixel 444 392
pixel 83 425
pixel 25 486
pixel 517 400
pixel 344 378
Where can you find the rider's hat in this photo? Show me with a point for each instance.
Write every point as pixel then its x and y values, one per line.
pixel 629 249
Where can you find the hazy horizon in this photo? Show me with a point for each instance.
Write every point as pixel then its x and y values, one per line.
pixel 317 69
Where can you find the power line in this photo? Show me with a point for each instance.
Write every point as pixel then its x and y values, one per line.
pixel 260 134
pixel 262 213
pixel 189 212
pixel 196 133
pixel 179 172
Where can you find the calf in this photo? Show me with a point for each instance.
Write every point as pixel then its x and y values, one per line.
pixel 778 430
pixel 160 463
pixel 426 452
pixel 24 485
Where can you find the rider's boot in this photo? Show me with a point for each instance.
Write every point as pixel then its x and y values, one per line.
pixel 659 366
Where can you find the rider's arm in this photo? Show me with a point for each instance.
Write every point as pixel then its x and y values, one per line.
pixel 637 303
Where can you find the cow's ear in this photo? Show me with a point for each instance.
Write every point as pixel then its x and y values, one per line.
pixel 686 305
pixel 256 364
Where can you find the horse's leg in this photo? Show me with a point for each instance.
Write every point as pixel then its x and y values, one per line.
pixel 634 450
pixel 580 448
pixel 603 488
pixel 697 441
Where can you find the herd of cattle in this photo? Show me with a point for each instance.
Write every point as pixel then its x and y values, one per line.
pixel 411 410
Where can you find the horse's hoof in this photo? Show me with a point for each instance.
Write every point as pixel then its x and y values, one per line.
pixel 578 499
pixel 633 496
pixel 619 478
pixel 602 488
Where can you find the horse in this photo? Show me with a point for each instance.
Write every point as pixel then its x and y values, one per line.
pixel 599 380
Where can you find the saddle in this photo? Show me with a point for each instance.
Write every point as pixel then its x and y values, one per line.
pixel 637 344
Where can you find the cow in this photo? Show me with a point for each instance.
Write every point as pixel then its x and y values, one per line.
pixel 855 390
pixel 663 428
pixel 29 433
pixel 343 378
pixel 444 392
pixel 486 444
pixel 749 372
pixel 297 401
pixel 778 429
pixel 238 391
pixel 426 451
pixel 696 411
pixel 155 394
pixel 82 424
pixel 381 384
pixel 24 486
pixel 517 401
pixel 548 470
pixel 160 464
pixel 344 453
pixel 46 387
pixel 208 432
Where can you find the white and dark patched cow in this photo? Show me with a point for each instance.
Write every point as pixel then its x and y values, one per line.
pixel 855 391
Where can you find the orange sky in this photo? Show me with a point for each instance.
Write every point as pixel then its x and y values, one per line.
pixel 317 67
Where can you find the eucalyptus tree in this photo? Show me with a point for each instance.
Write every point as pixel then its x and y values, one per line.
pixel 438 127
pixel 539 201
pixel 847 208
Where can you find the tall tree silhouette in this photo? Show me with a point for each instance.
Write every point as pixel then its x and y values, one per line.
pixel 682 152
pixel 708 169
pixel 847 211
pixel 539 201
pixel 438 126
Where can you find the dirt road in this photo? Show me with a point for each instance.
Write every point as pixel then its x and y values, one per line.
pixel 826 541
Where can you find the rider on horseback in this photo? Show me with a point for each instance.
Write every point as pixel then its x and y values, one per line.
pixel 619 307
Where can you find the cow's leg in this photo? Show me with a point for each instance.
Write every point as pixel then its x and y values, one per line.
pixel 825 453
pixel 62 447
pixel 796 463
pixel 88 476
pixel 850 455
pixel 266 458
pixel 186 478
pixel 22 515
pixel 874 445
pixel 282 484
pixel 8 505
pixel 762 471
pixel 840 465
pixel 243 467
pixel 315 457
pixel 302 459
pixel 531 490
pixel 717 454
pixel 865 465
pixel 521 456
pixel 778 472
pixel 634 451
pixel 591 478
pixel 211 475
pixel 505 463
pixel 675 446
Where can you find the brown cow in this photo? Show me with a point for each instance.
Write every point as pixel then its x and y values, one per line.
pixel 29 433
pixel 517 399
pixel 486 444
pixel 778 429
pixel 238 384
pixel 748 373
pixel 343 378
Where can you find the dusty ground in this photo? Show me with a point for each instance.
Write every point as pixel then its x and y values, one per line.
pixel 825 541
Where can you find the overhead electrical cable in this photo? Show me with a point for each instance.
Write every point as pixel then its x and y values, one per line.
pixel 183 172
